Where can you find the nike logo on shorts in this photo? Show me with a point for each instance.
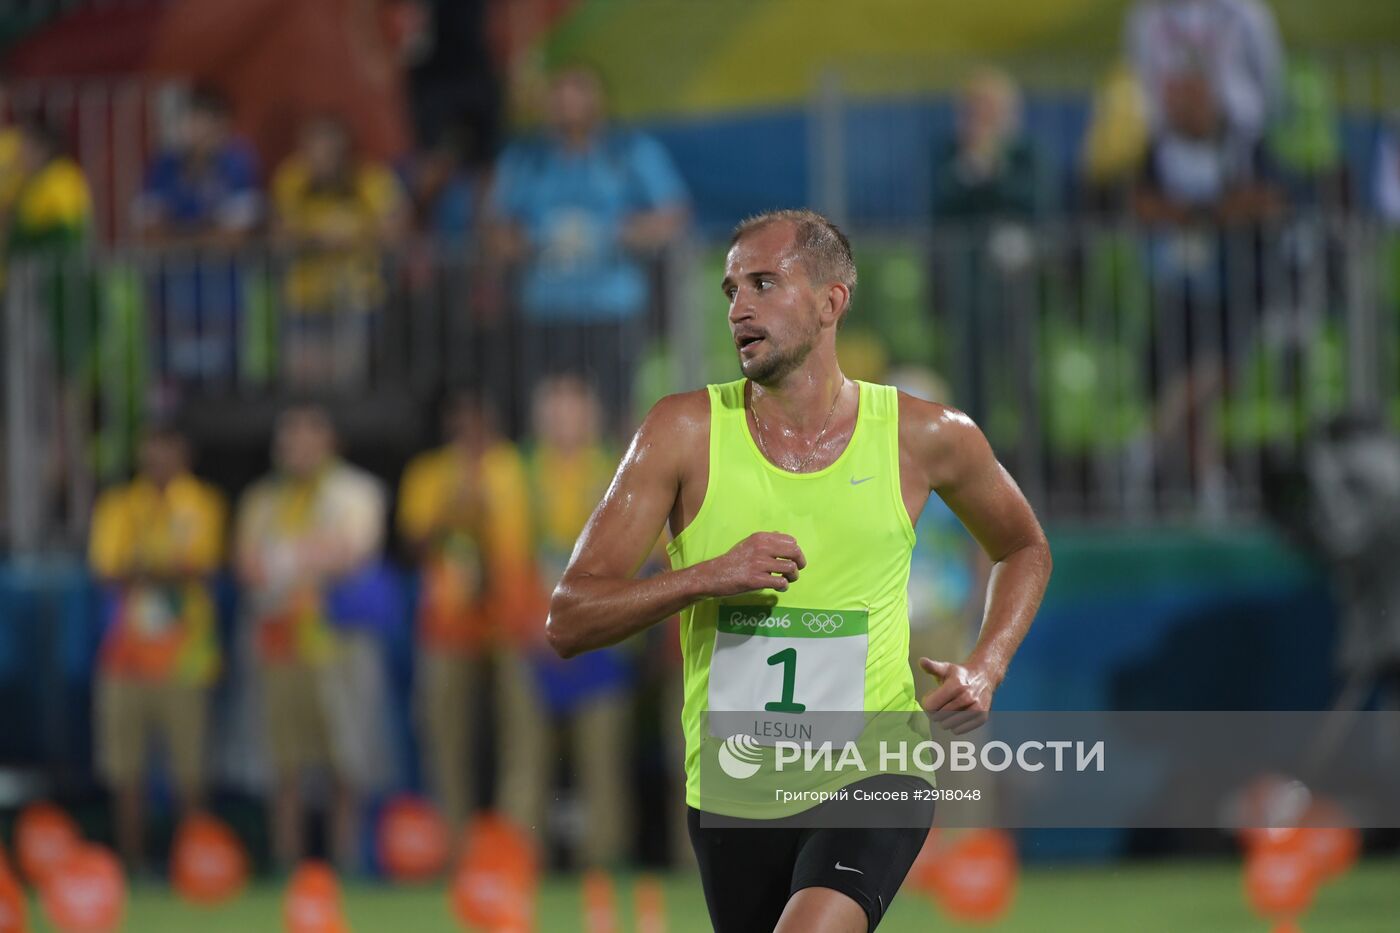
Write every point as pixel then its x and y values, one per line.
pixel 840 867
pixel 857 482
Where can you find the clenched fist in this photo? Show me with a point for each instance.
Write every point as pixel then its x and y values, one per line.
pixel 763 560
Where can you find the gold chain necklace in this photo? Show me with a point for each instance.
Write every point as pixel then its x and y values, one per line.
pixel 759 429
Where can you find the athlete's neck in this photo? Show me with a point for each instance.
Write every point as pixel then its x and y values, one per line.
pixel 802 400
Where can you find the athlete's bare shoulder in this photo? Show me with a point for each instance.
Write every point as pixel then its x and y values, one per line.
pixel 672 434
pixel 684 410
pixel 678 419
pixel 938 440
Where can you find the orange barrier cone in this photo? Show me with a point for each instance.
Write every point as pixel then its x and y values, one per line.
pixel 493 885
pixel 413 840
pixel 599 903
pixel 44 837
pixel 14 911
pixel 1280 876
pixel 649 901
pixel 313 903
pixel 976 877
pixel 208 864
pixel 86 892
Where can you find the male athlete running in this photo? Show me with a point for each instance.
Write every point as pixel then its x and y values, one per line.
pixel 799 485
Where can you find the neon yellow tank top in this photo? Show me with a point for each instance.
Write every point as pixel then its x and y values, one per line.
pixel 838 638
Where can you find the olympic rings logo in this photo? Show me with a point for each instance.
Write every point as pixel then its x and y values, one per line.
pixel 821 622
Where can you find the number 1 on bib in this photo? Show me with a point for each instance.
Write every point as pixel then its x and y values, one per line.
pixel 788 659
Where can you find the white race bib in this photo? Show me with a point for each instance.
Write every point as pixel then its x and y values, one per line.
pixel 776 666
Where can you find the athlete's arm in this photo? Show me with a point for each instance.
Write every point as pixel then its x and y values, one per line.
pixel 942 448
pixel 598 601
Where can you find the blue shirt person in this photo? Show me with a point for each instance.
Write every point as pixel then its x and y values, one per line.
pixel 199 204
pixel 577 210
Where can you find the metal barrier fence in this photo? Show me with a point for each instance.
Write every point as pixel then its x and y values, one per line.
pixel 1136 374
pixel 1122 374
pixel 94 346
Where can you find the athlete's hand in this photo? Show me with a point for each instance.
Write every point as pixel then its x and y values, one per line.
pixel 962 699
pixel 763 560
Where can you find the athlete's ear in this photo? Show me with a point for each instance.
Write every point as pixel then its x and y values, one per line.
pixel 838 299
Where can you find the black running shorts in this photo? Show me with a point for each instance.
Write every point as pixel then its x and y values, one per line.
pixel 749 871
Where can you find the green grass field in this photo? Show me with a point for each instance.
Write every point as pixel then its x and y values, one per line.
pixel 1201 897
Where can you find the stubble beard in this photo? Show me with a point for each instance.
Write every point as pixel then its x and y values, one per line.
pixel 778 365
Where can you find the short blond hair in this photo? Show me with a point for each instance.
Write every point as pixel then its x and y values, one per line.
pixel 825 251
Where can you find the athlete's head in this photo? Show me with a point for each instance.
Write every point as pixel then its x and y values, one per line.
pixel 789 278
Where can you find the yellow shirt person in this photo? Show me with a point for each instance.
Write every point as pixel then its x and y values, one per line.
pixel 155 543
pixel 336 212
pixel 468 515
pixel 160 544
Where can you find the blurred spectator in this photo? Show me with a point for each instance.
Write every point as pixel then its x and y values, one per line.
pixel 1232 44
pixel 1115 143
pixel 155 544
pixel 989 171
pixel 578 208
pixel 201 196
pixel 1197 171
pixel 1204 188
pixel 570 469
pixel 464 515
pixel 203 191
pixel 335 212
pixel 52 206
pixel 986 188
pixel 305 533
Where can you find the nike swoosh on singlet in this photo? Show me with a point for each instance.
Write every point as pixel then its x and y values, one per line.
pixel 857 482
pixel 840 867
